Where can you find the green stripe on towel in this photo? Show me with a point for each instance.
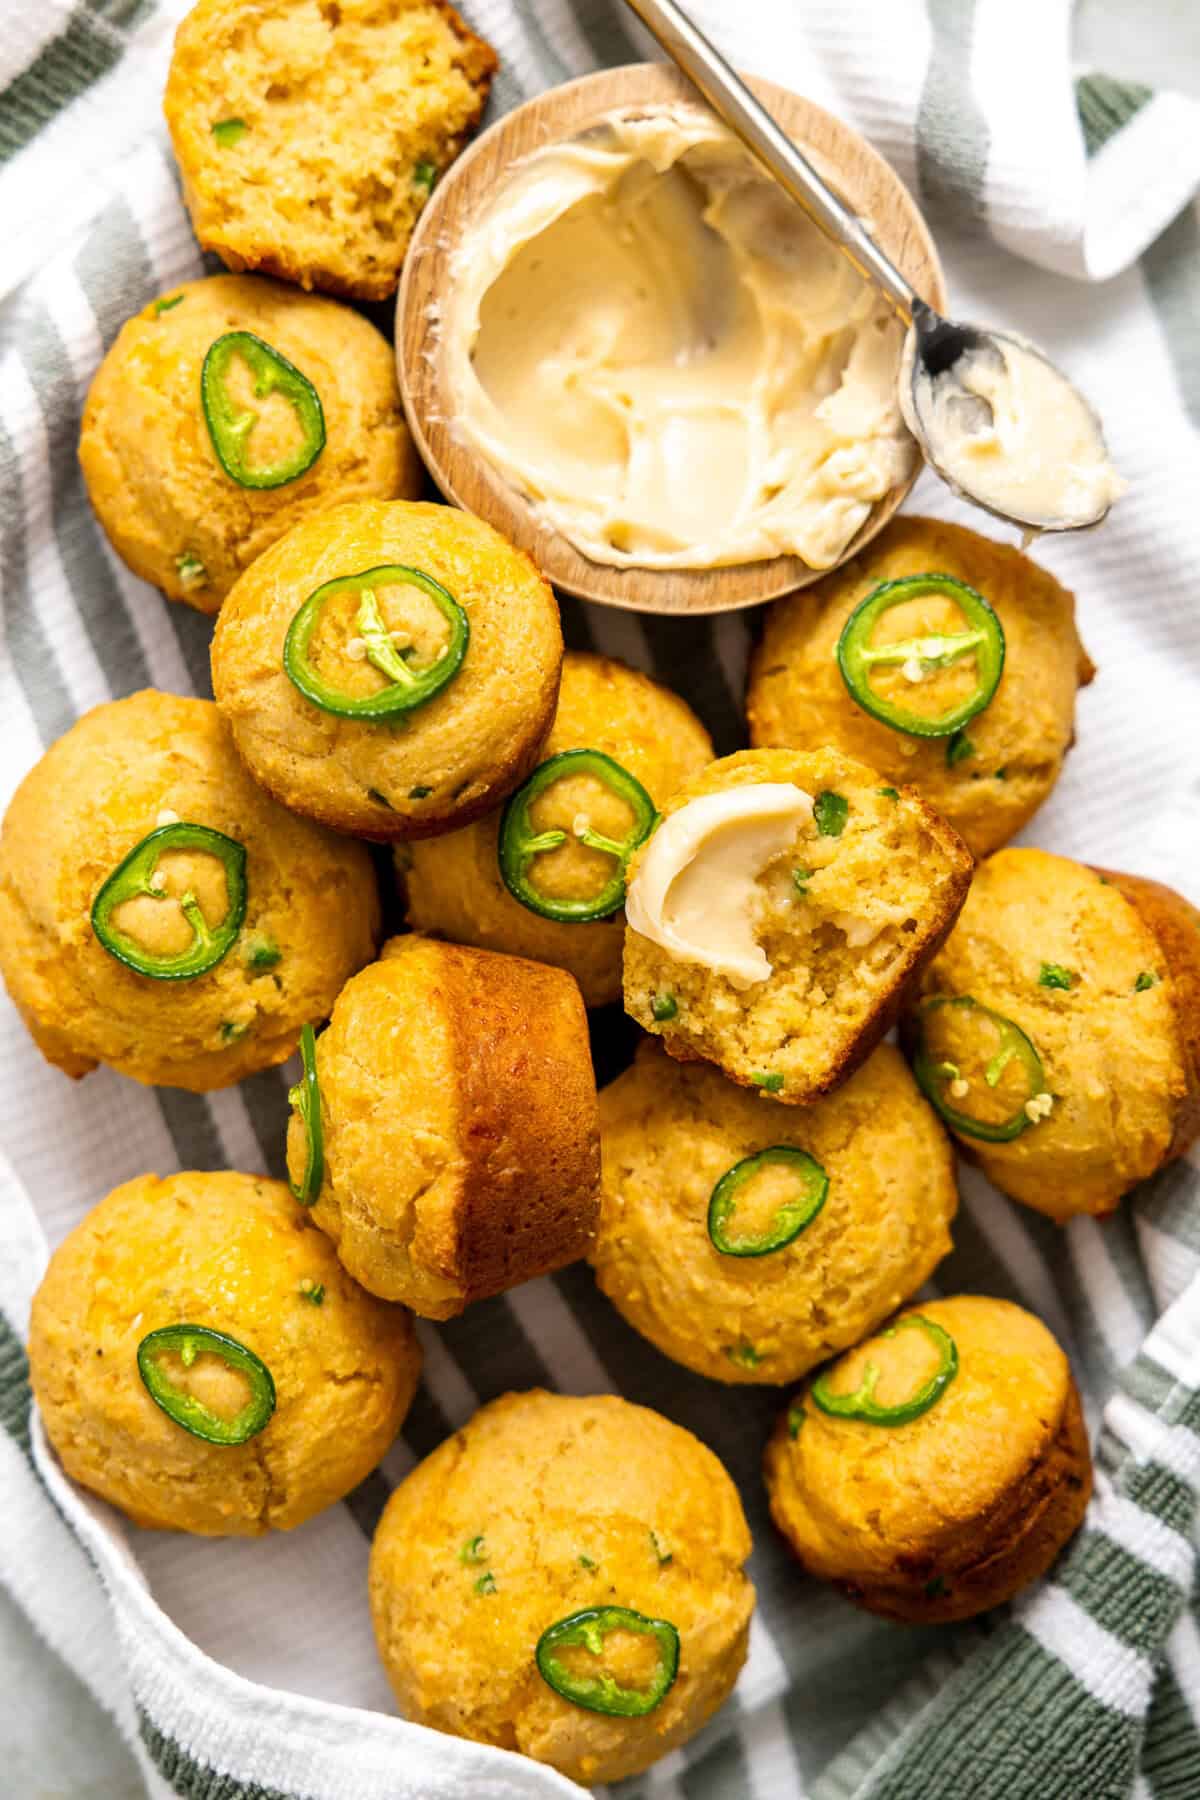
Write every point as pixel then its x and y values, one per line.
pixel 195 1780
pixel 1105 106
pixel 93 42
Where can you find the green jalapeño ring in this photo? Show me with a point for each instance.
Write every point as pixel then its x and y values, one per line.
pixel 861 1402
pixel 602 1693
pixel 789 1220
pixel 230 427
pixel 520 840
pixel 187 1342
pixel 135 876
pixel 406 687
pixel 919 657
pixel 934 1077
pixel 305 1098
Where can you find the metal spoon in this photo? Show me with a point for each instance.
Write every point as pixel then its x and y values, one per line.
pixel 941 351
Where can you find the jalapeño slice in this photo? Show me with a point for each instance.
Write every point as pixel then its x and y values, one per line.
pixel 305 1097
pixel 187 1342
pixel 406 687
pixel 861 1402
pixel 134 876
pixel 521 841
pixel 918 657
pixel 937 1076
pixel 601 1692
pixel 790 1218
pixel 231 427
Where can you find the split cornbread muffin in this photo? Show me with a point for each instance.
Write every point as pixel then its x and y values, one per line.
pixel 751 1242
pixel 564 1577
pixel 160 913
pixel 227 411
pixel 940 657
pixel 937 1468
pixel 619 745
pixel 445 1130
pixel 779 913
pixel 310 133
pixel 1058 1030
pixel 389 669
pixel 202 1361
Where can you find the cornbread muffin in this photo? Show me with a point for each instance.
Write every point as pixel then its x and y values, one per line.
pixel 545 1523
pixel 150 460
pixel 282 1412
pixel 988 778
pixel 458 1111
pixel 943 1514
pixel 468 637
pixel 454 885
pixel 794 901
pixel 139 843
pixel 1058 1030
pixel 749 1243
pixel 310 133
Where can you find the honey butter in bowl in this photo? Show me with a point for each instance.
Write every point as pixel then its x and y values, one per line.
pixel 626 348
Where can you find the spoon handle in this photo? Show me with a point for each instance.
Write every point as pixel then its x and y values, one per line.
pixel 736 106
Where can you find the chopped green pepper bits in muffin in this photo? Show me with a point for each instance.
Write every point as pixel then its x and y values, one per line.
pixel 1054 975
pixel 664 1007
pixel 262 953
pixel 228 132
pixel 830 812
pixel 192 571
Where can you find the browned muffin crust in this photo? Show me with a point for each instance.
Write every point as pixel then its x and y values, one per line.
pixel 1175 923
pixel 1010 1546
pixel 938 1516
pixel 460 1125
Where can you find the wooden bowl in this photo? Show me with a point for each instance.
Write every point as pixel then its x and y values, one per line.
pixel 865 181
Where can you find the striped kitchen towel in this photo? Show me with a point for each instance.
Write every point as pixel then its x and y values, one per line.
pixel 1063 204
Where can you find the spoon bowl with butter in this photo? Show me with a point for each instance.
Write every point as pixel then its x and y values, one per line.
pixel 994 417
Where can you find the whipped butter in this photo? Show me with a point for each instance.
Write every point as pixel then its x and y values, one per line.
pixel 695 892
pixel 1008 429
pixel 648 339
